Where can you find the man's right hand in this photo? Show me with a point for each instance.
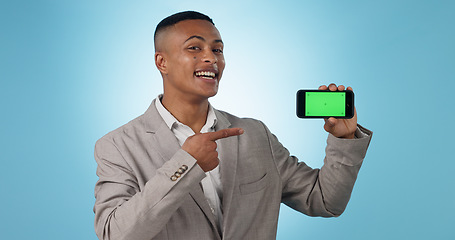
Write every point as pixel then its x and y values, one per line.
pixel 202 146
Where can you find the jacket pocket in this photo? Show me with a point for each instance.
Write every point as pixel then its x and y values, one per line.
pixel 254 186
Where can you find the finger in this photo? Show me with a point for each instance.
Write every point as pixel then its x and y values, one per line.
pixel 329 123
pixel 350 89
pixel 322 87
pixel 212 146
pixel 212 165
pixel 341 88
pixel 224 133
pixel 332 87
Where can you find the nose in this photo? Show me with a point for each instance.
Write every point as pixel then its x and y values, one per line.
pixel 209 57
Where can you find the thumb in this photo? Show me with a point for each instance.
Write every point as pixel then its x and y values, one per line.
pixel 329 123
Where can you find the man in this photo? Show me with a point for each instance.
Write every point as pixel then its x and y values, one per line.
pixel 184 170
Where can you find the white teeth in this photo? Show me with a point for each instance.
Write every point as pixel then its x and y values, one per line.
pixel 205 74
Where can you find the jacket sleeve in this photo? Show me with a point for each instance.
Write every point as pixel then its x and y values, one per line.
pixel 321 192
pixel 122 210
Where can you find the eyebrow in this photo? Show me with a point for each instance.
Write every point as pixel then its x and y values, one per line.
pixel 203 39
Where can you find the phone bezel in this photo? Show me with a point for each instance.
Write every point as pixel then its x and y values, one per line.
pixel 349 105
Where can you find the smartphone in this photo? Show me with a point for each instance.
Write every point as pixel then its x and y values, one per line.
pixel 325 104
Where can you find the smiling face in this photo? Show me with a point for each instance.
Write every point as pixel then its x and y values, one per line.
pixel 190 58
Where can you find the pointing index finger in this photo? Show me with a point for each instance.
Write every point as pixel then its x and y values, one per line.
pixel 224 133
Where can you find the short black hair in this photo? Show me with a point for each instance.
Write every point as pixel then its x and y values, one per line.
pixel 178 17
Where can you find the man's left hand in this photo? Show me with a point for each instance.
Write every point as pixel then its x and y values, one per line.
pixel 341 128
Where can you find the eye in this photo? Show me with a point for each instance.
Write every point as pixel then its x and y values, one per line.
pixel 217 50
pixel 194 48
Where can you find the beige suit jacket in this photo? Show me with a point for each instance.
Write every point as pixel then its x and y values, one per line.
pixel 136 198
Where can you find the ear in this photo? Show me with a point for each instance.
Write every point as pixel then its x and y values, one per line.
pixel 160 62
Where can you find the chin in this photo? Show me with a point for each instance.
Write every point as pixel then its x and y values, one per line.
pixel 210 92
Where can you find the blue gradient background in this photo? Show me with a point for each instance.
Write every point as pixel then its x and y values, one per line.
pixel 71 71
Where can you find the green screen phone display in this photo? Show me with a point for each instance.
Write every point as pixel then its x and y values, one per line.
pixel 325 104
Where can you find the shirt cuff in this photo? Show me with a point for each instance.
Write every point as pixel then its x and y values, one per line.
pixel 361 132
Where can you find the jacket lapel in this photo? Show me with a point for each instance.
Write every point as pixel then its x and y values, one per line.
pixel 228 151
pixel 165 143
pixel 198 195
pixel 162 139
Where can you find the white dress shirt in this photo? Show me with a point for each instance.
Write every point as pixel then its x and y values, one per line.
pixel 211 184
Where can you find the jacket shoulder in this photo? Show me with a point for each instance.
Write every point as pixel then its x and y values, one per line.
pixel 130 129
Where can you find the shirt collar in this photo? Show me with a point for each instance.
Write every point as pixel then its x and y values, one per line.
pixel 171 121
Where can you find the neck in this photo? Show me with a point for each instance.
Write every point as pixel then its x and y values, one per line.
pixel 191 113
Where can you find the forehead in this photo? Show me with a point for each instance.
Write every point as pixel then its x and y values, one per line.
pixel 188 28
